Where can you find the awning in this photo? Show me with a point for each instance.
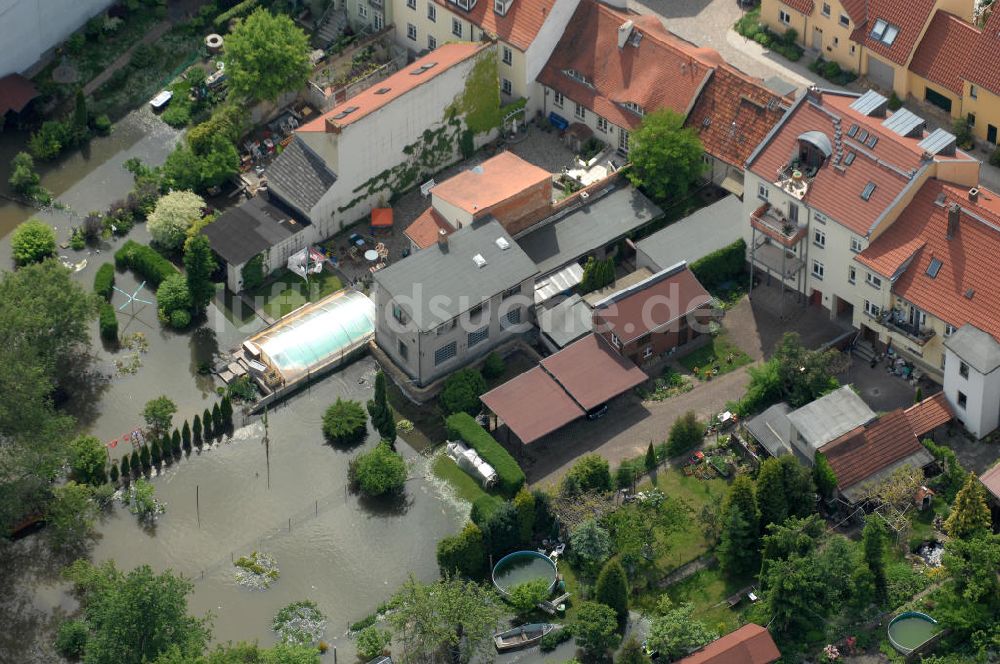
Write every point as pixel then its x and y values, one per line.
pixel 381 217
pixel 558 282
pixel 558 121
pixel 732 185
pixel 15 93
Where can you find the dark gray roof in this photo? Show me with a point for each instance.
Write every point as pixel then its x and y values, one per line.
pixel 575 234
pixel 772 429
pixel 437 284
pixel 242 232
pixel 567 321
pixel 974 347
pixel 828 418
pixel 693 237
pixel 299 177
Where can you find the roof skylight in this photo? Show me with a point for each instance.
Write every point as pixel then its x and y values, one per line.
pixel 934 267
pixel 869 190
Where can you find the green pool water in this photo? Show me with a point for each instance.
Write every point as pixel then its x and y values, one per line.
pixel 521 567
pixel 909 631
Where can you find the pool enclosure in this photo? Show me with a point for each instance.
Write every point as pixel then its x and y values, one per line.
pixel 318 336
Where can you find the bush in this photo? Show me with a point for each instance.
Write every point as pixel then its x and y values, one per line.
pixel 172 216
pixel 463 553
pixel 686 434
pixel 461 392
pixel 23 178
pixel 502 532
pixel 239 9
pixel 372 641
pixel 721 265
pixel 463 427
pixel 180 319
pixel 177 114
pixel 33 241
pixel 345 423
pixel 590 473
pixel 525 596
pixel 493 366
pixel 378 472
pixel 831 70
pixel 173 296
pixel 590 543
pixel 555 638
pixel 108 322
pixel 612 588
pixel 52 138
pixel 146 262
pixel 102 124
pixel 104 281
pixel 483 507
pixel 253 272
pixel 71 639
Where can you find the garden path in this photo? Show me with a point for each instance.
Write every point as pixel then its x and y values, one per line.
pixel 158 31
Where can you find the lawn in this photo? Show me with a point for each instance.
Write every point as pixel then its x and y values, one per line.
pixel 464 485
pixel 689 542
pixel 707 590
pixel 719 353
pixel 289 291
pixel 922 523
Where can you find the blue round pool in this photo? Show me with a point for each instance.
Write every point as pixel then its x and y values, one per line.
pixel 520 567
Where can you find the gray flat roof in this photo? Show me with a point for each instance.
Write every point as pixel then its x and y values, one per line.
pixel 437 284
pixel 242 232
pixel 567 321
pixel 975 347
pixel 590 226
pixel 706 230
pixel 772 429
pixel 829 417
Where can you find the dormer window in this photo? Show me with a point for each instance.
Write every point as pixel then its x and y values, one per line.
pixel 501 6
pixel 635 108
pixel 465 4
pixel 576 76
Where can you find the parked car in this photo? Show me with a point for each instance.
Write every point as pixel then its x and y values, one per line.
pixel 597 412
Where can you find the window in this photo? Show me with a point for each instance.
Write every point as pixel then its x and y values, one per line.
pixel 399 314
pixel 580 112
pixel 480 335
pixel 868 191
pixel 511 292
pixel 411 31
pixel 558 99
pixel 818 269
pixel 793 213
pixel 635 108
pixel 872 309
pixel 508 56
pixel 506 86
pixel 819 238
pixel 873 281
pixel 971 119
pixel 963 369
pixel 412 4
pixel 962 400
pixel 602 124
pixel 973 92
pixel 856 245
pixel 432 42
pixel 432 12
pixel 885 32
pixel 362 10
pixel 513 317
pixel 845 21
pixel 500 7
pixel 446 327
pixel 378 21
pixel 623 137
pixel 852 274
pixel 949 330
pixel 826 9
pixel 615 340
pixel 934 268
pixel 762 192
pixel 445 353
pixel 784 17
pixel 836 41
pixel 476 310
pixel 456 27
pixel 404 350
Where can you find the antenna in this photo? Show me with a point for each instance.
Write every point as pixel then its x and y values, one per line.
pixel 133 298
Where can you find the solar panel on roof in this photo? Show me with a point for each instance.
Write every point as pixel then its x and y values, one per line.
pixel 870 103
pixel 869 190
pixel 904 123
pixel 853 130
pixel 933 268
pixel 939 140
pixel 849 159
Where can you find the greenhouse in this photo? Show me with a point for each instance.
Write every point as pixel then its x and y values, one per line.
pixel 318 336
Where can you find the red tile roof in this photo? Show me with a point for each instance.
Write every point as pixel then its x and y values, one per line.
pixel 15 93
pixel 425 230
pixel 733 114
pixel 801 6
pixel 943 53
pixel 982 66
pixel 835 192
pixel 651 304
pixel 532 405
pixel 518 27
pixel 381 94
pixel 968 261
pixel 750 644
pixel 661 71
pixel 855 9
pixel 493 181
pixel 929 414
pixel 868 449
pixel 910 16
pixel 592 372
pixel 991 480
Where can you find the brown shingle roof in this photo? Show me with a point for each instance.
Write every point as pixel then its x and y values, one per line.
pixel 868 449
pixel 968 259
pixel 733 114
pixel 592 372
pixel 661 71
pixel 425 230
pixel 750 644
pixel 532 405
pixel 929 414
pixel 991 480
pixel 15 93
pixel 910 16
pixel 943 53
pixel 801 6
pixel 650 304
pixel 982 66
pixel 518 27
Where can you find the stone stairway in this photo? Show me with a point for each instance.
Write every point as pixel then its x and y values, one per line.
pixel 864 350
pixel 332 27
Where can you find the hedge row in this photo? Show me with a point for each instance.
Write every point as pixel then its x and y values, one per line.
pixel 104 281
pixel 721 265
pixel 511 478
pixel 146 261
pixel 108 322
pixel 239 9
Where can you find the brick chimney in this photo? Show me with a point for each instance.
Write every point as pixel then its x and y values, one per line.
pixel 974 195
pixel 954 214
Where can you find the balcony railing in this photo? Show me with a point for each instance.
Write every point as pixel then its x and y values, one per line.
pixel 895 320
pixel 776 226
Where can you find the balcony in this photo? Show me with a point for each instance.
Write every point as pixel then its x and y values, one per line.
pixel 377 4
pixel 776 226
pixel 895 320
pixel 793 181
pixel 776 258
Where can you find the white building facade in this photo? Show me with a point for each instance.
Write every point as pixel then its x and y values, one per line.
pixel 29 28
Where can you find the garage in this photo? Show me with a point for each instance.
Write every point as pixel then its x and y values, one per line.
pixel 880 73
pixel 938 99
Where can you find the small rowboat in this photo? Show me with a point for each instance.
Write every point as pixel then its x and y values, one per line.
pixel 522 637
